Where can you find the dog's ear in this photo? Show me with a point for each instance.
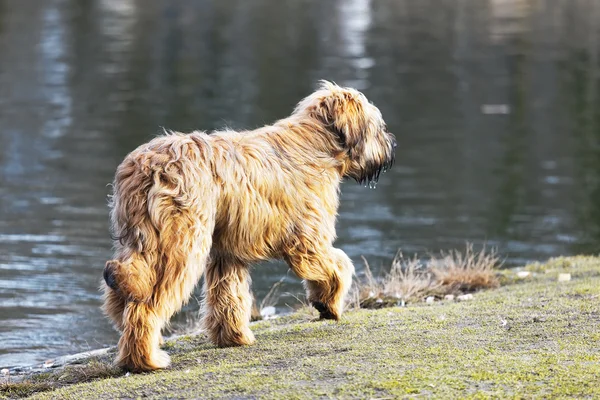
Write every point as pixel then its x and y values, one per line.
pixel 342 113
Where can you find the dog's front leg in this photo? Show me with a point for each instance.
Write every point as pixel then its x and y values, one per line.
pixel 327 277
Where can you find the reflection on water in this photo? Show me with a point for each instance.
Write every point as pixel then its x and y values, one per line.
pixel 494 104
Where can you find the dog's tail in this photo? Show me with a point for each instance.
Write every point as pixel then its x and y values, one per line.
pixel 150 222
pixel 132 274
pixel 133 278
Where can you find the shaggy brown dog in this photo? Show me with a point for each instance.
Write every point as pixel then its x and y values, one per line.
pixel 183 203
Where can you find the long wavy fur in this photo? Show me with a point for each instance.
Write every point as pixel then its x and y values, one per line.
pixel 186 203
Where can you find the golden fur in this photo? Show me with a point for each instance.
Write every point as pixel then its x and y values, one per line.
pixel 225 200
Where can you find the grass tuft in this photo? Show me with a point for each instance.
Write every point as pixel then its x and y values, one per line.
pixel 412 280
pixel 466 272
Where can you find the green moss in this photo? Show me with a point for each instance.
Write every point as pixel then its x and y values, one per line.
pixel 23 389
pixel 93 369
pixel 537 338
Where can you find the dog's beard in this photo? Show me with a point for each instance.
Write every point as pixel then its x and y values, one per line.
pixel 371 170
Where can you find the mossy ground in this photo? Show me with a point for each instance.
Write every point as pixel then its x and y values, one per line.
pixel 534 337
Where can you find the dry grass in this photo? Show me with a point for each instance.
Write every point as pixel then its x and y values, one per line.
pixel 23 389
pixel 413 280
pixel 88 372
pixel 93 370
pixel 407 279
pixel 466 272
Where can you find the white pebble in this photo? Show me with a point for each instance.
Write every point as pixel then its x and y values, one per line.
pixel 465 297
pixel 268 312
pixel 449 297
pixel 564 277
pixel 430 300
pixel 5 371
pixel 523 274
pixel 495 109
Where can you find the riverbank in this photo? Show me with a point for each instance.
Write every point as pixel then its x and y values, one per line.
pixel 536 335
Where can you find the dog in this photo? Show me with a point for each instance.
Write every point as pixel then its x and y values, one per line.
pixel 184 205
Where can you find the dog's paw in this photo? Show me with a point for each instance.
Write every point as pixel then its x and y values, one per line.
pixel 245 337
pixel 248 338
pixel 160 360
pixel 324 311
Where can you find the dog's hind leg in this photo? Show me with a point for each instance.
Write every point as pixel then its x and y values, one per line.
pixel 184 244
pixel 327 277
pixel 227 303
pixel 128 301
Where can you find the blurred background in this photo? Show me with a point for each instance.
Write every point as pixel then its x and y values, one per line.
pixel 495 105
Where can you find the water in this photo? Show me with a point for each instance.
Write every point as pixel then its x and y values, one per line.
pixel 494 104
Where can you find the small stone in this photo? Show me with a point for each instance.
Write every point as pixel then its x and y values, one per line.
pixel 268 312
pixel 449 297
pixel 127 374
pixel 5 371
pixel 523 274
pixel 430 300
pixel 465 297
pixel 48 364
pixel 379 301
pixel 495 109
pixel 564 277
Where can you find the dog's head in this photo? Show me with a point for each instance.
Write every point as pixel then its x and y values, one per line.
pixel 357 128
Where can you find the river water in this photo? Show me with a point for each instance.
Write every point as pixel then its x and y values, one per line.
pixel 494 104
